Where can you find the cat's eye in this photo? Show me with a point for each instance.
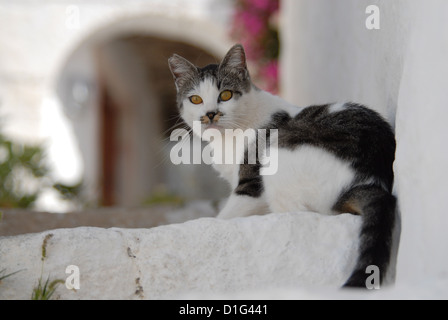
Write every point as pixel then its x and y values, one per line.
pixel 196 100
pixel 226 95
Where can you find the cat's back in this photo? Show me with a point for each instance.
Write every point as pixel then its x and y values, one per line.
pixel 351 132
pixel 325 125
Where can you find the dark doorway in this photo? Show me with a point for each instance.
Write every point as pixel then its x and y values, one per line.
pixel 137 114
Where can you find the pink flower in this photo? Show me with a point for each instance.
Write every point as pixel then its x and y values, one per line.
pixel 253 20
pixel 269 73
pixel 253 23
pixel 261 4
pixel 271 69
pixel 253 51
pixel 268 6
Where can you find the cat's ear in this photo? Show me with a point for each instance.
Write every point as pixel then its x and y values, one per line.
pixel 235 61
pixel 183 70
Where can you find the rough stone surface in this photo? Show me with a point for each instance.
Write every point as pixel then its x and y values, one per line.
pixel 206 256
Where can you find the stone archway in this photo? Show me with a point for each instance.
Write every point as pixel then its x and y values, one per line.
pixel 137 112
pixel 129 102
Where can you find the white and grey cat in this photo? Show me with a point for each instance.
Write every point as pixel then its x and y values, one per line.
pixel 335 158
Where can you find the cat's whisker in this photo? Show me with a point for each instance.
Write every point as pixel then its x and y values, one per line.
pixel 167 145
pixel 178 123
pixel 184 127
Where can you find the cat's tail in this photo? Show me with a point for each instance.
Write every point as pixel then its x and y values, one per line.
pixel 377 208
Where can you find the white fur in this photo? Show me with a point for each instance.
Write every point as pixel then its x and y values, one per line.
pixel 229 171
pixel 308 179
pixel 230 144
pixel 242 206
pixel 209 93
pixel 262 105
pixel 252 110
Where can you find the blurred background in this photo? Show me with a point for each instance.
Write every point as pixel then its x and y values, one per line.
pixel 87 101
pixel 87 106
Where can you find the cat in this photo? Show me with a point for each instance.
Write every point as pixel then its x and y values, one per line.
pixel 335 158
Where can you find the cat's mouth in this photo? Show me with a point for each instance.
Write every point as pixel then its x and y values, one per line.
pixel 211 121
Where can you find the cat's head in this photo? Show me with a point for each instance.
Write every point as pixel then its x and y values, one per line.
pixel 214 95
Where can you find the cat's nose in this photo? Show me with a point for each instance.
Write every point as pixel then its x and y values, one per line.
pixel 211 115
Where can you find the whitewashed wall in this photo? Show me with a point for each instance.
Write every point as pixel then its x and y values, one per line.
pixel 401 71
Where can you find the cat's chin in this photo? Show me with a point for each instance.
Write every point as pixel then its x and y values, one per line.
pixel 215 127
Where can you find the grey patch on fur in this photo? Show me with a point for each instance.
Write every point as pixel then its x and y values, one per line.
pixel 361 137
pixel 185 76
pixel 356 134
pixel 232 74
pixel 250 181
pixel 377 208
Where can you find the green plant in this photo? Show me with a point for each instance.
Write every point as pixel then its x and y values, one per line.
pixel 3 276
pixel 24 174
pixel 69 192
pixel 44 291
pixel 163 197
